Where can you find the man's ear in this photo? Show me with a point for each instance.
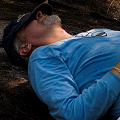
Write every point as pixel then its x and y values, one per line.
pixel 46 1
pixel 39 15
pixel 25 49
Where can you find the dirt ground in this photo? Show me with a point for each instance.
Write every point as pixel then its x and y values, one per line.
pixel 17 99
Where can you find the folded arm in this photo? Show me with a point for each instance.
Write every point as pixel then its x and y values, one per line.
pixel 55 86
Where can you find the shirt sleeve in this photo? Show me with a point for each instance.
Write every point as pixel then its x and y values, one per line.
pixel 56 87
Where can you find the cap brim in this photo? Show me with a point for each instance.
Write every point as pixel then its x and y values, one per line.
pixel 44 7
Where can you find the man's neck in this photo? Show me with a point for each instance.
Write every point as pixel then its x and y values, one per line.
pixel 52 36
pixel 58 34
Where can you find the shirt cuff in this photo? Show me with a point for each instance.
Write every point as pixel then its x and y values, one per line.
pixel 112 81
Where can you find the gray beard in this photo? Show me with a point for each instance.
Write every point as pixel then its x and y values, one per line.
pixel 52 20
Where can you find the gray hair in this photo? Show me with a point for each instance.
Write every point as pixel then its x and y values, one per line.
pixel 19 39
pixel 17 42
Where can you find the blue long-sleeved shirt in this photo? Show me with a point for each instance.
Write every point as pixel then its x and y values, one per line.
pixel 72 75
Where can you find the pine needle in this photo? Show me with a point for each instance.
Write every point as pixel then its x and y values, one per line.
pixel 110 6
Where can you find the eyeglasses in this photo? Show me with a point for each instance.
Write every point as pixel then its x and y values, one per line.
pixel 92 34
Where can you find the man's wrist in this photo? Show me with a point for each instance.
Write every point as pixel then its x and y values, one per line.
pixel 116 70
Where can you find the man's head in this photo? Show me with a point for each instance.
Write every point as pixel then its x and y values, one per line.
pixel 17 24
pixel 36 33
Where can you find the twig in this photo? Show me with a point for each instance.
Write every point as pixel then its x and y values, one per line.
pixel 110 6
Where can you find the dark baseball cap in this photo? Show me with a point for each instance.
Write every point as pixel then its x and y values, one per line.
pixel 12 28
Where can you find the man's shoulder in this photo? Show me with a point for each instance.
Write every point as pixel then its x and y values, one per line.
pixel 52 50
pixel 44 52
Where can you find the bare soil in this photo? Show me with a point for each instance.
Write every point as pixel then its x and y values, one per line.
pixel 17 98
